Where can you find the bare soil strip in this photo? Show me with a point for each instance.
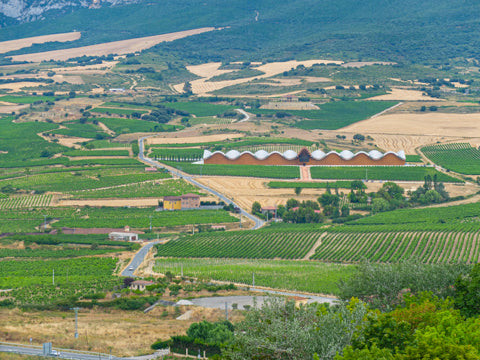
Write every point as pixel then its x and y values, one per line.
pixel 115 47
pixel 6 46
pixel 315 247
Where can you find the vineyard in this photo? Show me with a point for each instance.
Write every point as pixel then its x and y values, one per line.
pixel 78 277
pixel 155 189
pixel 428 247
pixel 403 173
pixel 247 245
pixel 199 108
pixel 140 218
pixel 274 172
pixel 102 110
pixel 77 129
pixel 438 215
pixel 309 276
pixel 29 201
pixel 458 157
pixel 82 179
pixel 126 126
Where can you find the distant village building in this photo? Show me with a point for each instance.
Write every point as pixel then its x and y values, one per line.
pixel 187 201
pixel 172 203
pixel 190 201
pixel 117 90
pixel 140 285
pixel 123 236
pixel 150 169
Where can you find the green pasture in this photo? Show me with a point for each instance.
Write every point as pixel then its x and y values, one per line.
pixel 200 108
pixel 126 126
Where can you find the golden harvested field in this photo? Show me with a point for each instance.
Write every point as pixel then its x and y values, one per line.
pixel 115 47
pixel 6 46
pixel 404 95
pixel 436 124
pixel 209 70
pixel 408 143
pixel 18 86
pixel 192 139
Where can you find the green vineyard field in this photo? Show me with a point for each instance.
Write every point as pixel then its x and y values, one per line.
pixel 29 201
pixel 386 173
pixel 458 157
pixel 248 245
pixel 310 276
pixel 274 172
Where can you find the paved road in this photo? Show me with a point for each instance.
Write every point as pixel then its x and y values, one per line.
pixel 71 354
pixel 138 259
pixel 244 113
pixel 258 222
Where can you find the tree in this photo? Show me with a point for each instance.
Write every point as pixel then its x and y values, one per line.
pixel 359 137
pixel 256 207
pixel 187 88
pixel 345 210
pixel 280 330
pixel 467 292
pixel 298 191
pixel 291 203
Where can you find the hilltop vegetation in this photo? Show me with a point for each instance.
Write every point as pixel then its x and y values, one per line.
pixel 281 29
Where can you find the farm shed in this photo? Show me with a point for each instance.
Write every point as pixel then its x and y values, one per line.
pixel 123 236
pixel 140 284
pixel 172 203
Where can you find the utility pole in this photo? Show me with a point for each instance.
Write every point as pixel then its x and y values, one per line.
pixel 150 217
pixel 53 277
pixel 253 279
pixel 76 322
pixel 226 311
pixel 44 223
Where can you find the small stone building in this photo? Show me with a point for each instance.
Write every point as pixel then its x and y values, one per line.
pixel 187 201
pixel 123 236
pixel 140 285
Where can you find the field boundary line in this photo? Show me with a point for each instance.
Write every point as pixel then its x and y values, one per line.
pixel 386 110
pixel 317 244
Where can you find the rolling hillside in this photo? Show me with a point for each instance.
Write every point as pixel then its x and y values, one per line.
pixel 407 31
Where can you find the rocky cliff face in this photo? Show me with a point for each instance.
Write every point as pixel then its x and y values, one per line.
pixel 31 10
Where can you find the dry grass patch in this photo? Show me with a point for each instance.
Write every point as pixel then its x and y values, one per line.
pixel 405 95
pixel 6 46
pixel 115 47
pixel 127 333
pixel 192 139
pixel 207 71
pixel 432 124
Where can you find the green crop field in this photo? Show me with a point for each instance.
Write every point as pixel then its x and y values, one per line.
pixel 116 104
pixel 312 185
pixel 242 142
pixel 274 172
pixel 210 120
pixel 74 153
pixel 414 158
pixel 102 144
pixel 156 189
pixel 458 157
pixel 125 126
pixel 26 99
pixel 81 130
pixel 82 180
pixel 334 115
pixel 200 108
pixel 248 245
pixel 404 173
pixel 22 147
pixel 314 277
